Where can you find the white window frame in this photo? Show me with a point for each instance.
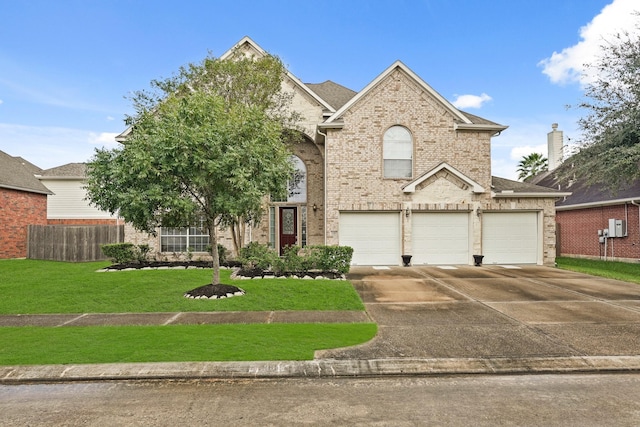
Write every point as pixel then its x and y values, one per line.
pixel 397 152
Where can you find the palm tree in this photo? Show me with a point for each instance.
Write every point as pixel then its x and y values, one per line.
pixel 532 165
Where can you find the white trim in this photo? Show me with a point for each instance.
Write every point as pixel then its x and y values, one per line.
pixel 509 194
pixel 479 126
pixel 596 204
pixel 399 65
pixel 411 187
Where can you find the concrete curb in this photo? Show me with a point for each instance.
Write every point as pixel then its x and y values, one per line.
pixel 315 369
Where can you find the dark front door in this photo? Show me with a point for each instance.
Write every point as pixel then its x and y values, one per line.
pixel 288 227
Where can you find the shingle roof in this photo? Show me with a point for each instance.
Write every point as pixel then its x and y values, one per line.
pixel 16 176
pixel 477 120
pixel 583 194
pixel 27 164
pixel 70 170
pixel 334 94
pixel 506 187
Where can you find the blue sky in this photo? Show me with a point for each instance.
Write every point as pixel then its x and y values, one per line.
pixel 66 66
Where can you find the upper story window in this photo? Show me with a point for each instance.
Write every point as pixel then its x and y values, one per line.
pixel 297 184
pixel 397 152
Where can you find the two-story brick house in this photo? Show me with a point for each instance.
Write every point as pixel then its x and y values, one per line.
pixel 393 170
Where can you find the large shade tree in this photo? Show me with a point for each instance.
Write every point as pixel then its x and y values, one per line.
pixel 204 145
pixel 609 151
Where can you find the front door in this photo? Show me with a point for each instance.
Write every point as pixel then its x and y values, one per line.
pixel 288 227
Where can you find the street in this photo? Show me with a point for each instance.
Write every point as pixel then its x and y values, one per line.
pixel 528 400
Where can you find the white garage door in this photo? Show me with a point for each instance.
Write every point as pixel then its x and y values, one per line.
pixel 510 237
pixel 374 237
pixel 440 238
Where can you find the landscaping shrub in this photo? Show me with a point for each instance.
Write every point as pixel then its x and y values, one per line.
pixel 296 260
pixel 122 253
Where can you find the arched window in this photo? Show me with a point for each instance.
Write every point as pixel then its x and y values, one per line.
pixel 397 152
pixel 298 183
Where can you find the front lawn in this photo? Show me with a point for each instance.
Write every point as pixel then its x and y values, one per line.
pixel 43 287
pixel 628 272
pixel 175 343
pixel 46 287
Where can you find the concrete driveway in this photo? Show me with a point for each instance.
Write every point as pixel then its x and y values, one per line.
pixel 494 312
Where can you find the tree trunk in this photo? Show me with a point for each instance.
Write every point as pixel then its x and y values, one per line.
pixel 238 229
pixel 213 240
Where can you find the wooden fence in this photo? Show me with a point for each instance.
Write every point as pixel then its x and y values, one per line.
pixel 75 243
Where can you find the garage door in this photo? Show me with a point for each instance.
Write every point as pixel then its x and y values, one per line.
pixel 374 237
pixel 440 238
pixel 510 238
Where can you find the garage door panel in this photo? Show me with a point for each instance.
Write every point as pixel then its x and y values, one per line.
pixel 440 238
pixel 374 237
pixel 510 238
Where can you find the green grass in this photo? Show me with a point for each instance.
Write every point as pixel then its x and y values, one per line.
pixel 177 343
pixel 43 287
pixel 628 272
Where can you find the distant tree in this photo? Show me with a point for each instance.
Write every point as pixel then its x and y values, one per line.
pixel 531 165
pixel 205 145
pixel 609 151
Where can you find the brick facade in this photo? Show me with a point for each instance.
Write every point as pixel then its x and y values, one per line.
pixel 18 209
pixel 578 232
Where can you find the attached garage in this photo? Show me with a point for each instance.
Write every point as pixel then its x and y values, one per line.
pixel 374 237
pixel 440 238
pixel 510 237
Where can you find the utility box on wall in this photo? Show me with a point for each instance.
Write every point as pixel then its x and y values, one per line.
pixel 617 228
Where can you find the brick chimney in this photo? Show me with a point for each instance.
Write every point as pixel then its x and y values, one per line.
pixel 554 147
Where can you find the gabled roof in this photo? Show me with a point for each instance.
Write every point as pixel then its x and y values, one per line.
pixel 584 195
pixel 15 176
pixel 502 187
pixel 411 187
pixel 464 121
pixel 247 42
pixel 68 171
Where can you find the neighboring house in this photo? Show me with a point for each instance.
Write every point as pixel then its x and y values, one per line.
pixel 23 201
pixel 393 170
pixel 68 205
pixel 583 217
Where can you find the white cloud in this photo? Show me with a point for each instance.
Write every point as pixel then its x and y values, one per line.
pixel 107 139
pixel 470 101
pixel 517 153
pixel 567 66
pixel 1 101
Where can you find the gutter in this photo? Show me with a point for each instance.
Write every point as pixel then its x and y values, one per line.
pixel 507 194
pixel 596 204
pixel 27 190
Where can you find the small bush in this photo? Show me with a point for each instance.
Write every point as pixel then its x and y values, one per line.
pixel 296 260
pixel 119 252
pixel 257 255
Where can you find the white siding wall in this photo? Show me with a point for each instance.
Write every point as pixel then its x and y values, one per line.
pixel 68 201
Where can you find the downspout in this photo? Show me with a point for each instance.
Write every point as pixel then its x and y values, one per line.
pixel 638 205
pixel 324 171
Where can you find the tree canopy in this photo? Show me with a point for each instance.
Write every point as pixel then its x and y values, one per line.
pixel 609 151
pixel 205 145
pixel 531 165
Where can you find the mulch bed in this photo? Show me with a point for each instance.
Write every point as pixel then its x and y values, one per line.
pixel 212 291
